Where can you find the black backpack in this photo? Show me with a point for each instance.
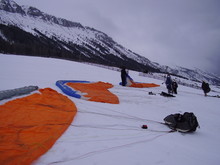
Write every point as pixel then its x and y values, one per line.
pixel 183 123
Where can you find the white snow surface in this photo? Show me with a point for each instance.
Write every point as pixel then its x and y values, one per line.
pixel 107 134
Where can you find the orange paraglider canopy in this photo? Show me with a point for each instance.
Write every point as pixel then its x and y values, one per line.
pixel 97 91
pixel 143 85
pixel 29 126
pixel 131 83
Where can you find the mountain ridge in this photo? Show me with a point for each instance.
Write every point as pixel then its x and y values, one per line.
pixel 60 38
pixel 93 41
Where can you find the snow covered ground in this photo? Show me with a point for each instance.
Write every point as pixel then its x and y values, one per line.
pixel 107 134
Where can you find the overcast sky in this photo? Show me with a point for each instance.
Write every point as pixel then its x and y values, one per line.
pixel 171 32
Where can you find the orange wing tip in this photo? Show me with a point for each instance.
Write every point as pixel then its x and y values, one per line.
pixel 38 120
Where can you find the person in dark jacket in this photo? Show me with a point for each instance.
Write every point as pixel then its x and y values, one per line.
pixel 205 87
pixel 169 84
pixel 174 86
pixel 123 76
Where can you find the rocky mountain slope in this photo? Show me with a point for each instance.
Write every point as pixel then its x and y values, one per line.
pixel 28 31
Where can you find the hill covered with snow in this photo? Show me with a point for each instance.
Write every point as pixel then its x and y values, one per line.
pixel 110 134
pixel 29 31
pixel 69 40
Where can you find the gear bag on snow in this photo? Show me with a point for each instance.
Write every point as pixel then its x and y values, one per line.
pixel 166 94
pixel 6 94
pixel 182 123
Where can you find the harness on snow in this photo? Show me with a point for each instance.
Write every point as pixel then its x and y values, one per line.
pixel 182 123
pixel 151 93
pixel 166 94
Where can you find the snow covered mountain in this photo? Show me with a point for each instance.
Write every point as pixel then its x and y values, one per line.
pixel 58 37
pixel 29 31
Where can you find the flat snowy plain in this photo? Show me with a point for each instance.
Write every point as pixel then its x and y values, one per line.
pixel 107 134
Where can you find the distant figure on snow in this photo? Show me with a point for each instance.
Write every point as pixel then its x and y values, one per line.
pixel 169 84
pixel 205 87
pixel 174 86
pixel 123 76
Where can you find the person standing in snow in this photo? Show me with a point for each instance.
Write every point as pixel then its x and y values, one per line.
pixel 123 76
pixel 169 84
pixel 205 87
pixel 174 86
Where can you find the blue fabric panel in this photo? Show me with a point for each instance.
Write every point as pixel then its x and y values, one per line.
pixel 68 90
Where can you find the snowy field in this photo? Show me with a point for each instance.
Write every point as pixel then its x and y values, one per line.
pixel 107 134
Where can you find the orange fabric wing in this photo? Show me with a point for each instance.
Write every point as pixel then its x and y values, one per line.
pixel 97 92
pixel 29 126
pixel 143 85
